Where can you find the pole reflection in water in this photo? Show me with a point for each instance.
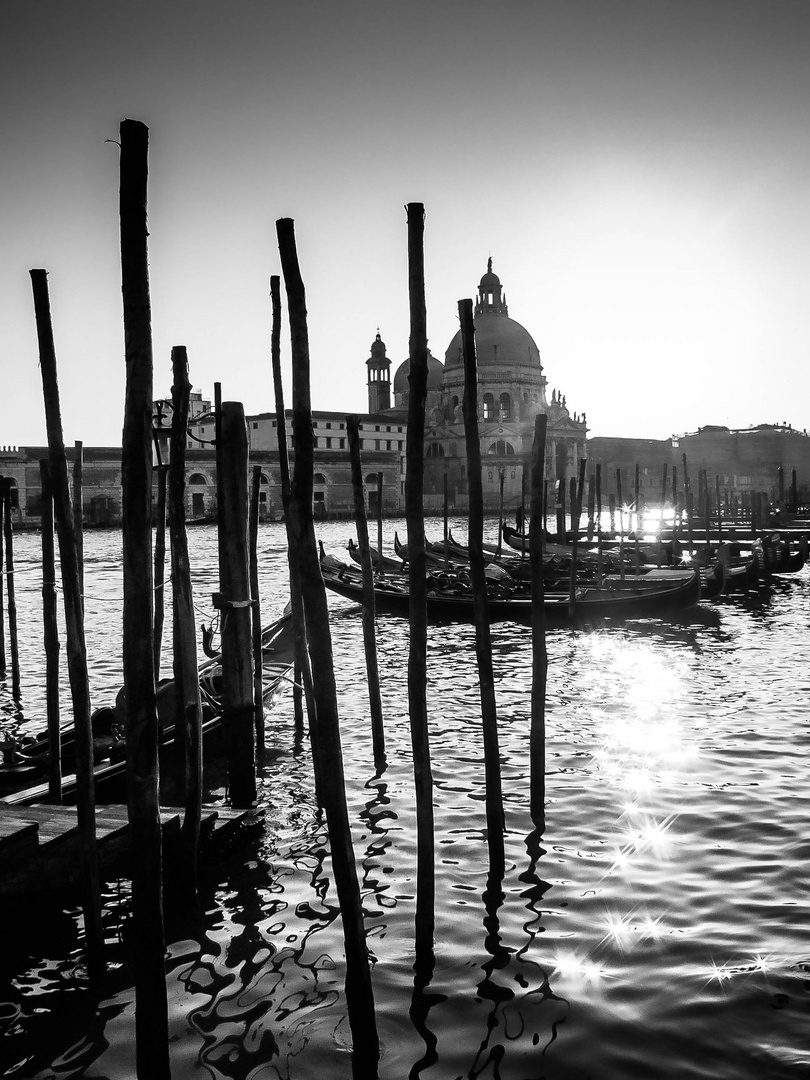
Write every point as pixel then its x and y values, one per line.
pixel 653 928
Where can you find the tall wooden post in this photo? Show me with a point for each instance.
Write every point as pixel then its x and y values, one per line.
pixel 417 579
pixel 50 638
pixel 380 569
pixel 188 709
pixel 8 535
pixel 2 603
pixel 74 625
pixel 151 1008
pixel 475 540
pixel 78 508
pixel 537 728
pixel 359 996
pixel 303 675
pixel 369 632
pixel 160 565
pixel 576 513
pixel 238 711
pixel 256 612
pixel 599 553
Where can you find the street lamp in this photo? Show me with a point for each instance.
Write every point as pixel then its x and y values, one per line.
pixel 161 433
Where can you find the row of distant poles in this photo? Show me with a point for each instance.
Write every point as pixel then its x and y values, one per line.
pixel 237 510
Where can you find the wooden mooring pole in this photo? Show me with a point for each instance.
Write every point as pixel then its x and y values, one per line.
pixel 302 673
pixel 475 540
pixel 417 581
pixel 380 570
pixel 188 706
pixel 151 1007
pixel 8 536
pixel 369 631
pixel 50 638
pixel 234 601
pixel 256 611
pixel 2 603
pixel 359 995
pixel 78 508
pixel 74 626
pixel 159 565
pixel 537 728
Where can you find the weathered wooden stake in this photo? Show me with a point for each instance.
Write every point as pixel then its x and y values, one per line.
pixel 380 569
pixel 359 996
pixel 2 603
pixel 475 541
pixel 160 566
pixel 369 632
pixel 256 611
pixel 50 638
pixel 576 513
pixel 74 624
pixel 13 641
pixel 151 1007
pixel 417 579
pixel 78 508
pixel 303 674
pixel 238 711
pixel 188 708
pixel 537 728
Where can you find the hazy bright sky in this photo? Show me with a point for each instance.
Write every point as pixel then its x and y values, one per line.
pixel 639 171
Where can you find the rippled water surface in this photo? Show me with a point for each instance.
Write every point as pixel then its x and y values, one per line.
pixel 657 929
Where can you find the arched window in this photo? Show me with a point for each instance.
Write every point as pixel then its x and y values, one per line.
pixel 197 478
pixel 263 479
pixel 489 407
pixel 501 447
pixel 435 450
pixel 319 478
pixel 505 402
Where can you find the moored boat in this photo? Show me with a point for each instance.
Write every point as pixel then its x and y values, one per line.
pixel 452 601
pixel 25 779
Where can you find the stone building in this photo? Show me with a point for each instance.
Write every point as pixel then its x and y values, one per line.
pixel 740 461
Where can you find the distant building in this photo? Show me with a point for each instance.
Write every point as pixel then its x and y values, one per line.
pixel 512 391
pixel 738 460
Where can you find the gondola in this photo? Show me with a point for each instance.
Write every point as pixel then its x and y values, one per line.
pixel 452 602
pixel 25 779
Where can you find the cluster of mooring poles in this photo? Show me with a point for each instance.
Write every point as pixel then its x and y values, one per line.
pixel 704 513
pixel 315 689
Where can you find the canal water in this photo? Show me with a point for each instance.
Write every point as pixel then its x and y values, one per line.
pixel 657 929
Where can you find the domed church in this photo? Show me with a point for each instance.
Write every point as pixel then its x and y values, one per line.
pixel 511 392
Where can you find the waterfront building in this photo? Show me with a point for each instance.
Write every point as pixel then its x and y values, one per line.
pixel 512 391
pixel 760 458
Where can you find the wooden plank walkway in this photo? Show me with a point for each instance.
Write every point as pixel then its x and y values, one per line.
pixel 39 849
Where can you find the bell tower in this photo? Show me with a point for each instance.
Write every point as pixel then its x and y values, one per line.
pixel 379 377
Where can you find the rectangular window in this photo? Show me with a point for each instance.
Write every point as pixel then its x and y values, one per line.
pixel 342 442
pixel 328 424
pixel 328 443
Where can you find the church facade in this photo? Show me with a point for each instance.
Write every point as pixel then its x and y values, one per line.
pixel 512 391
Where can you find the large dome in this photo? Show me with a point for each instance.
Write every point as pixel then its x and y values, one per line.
pixel 498 339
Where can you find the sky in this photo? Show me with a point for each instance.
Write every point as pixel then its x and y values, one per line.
pixel 638 171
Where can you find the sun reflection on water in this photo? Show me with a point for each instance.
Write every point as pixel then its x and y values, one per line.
pixel 640 741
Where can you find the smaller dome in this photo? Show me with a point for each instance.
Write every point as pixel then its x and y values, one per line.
pixel 434 379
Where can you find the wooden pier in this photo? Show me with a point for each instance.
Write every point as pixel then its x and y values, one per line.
pixel 39 845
